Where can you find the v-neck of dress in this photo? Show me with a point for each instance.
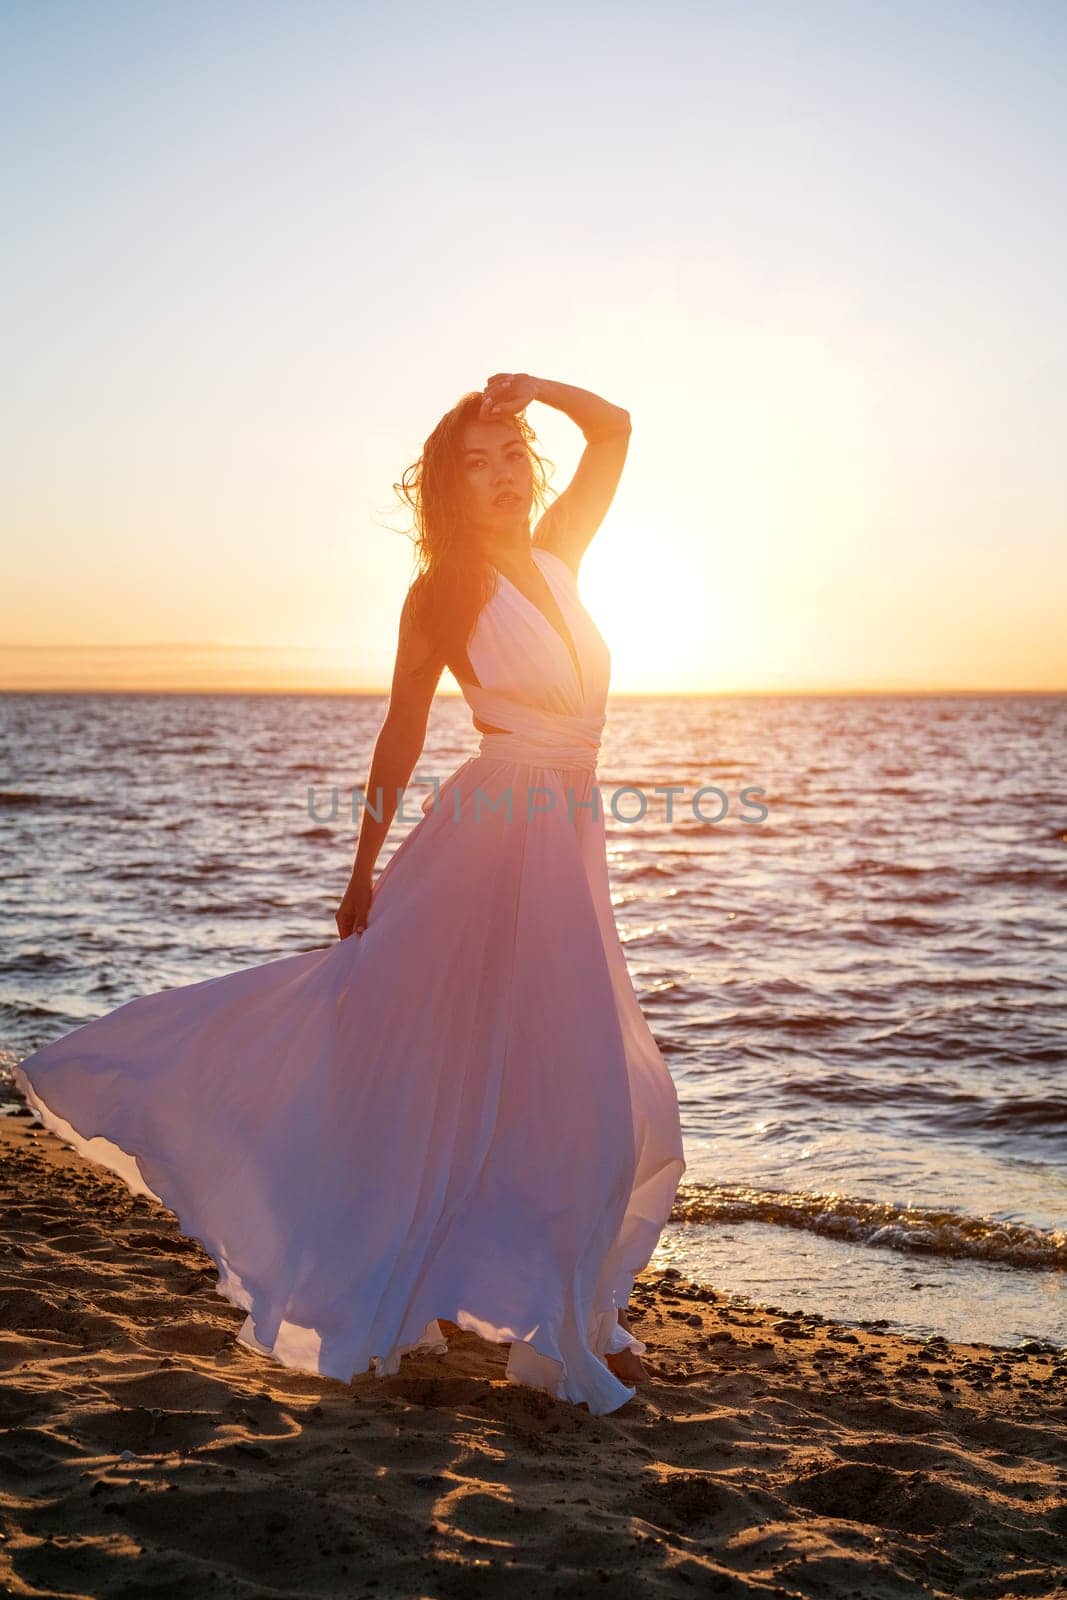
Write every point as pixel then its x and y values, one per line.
pixel 565 639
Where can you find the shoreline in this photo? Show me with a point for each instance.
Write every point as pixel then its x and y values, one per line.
pixel 774 1450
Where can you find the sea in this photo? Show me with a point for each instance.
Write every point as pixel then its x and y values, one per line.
pixel 845 919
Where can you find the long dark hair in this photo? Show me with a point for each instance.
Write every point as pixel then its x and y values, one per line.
pixel 454 578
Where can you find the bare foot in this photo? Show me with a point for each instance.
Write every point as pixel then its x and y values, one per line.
pixel 628 1367
pixel 627 1364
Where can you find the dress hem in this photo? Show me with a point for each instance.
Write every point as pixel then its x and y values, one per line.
pixel 229 1286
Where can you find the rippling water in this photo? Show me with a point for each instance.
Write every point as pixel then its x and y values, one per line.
pixel 860 997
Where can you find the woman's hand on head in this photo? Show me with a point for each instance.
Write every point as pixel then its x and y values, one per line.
pixel 351 915
pixel 505 394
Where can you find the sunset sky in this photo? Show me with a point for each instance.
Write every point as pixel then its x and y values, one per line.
pixel 254 251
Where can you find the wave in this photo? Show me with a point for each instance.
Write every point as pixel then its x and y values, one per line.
pixel 925 1230
pixel 30 962
pixel 952 1108
pixel 16 799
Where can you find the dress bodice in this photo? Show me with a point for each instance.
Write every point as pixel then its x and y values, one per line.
pixel 529 685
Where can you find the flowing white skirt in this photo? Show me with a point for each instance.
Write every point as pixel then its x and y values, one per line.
pixel 459 1114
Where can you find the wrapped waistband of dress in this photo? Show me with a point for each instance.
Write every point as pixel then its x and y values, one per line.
pixel 528 750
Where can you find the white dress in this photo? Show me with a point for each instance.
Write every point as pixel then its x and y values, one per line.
pixel 460 1113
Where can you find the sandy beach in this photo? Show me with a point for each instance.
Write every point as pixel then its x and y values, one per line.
pixel 773 1453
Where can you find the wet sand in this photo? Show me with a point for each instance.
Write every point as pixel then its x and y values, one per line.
pixel 773 1453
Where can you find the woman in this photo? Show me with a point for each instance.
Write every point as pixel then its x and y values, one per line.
pixel 457 1111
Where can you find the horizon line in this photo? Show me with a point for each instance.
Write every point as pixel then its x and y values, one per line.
pixel 613 694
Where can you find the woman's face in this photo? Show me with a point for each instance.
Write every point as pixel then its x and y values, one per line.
pixel 498 476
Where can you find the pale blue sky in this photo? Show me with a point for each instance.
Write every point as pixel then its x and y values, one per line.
pixel 817 250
